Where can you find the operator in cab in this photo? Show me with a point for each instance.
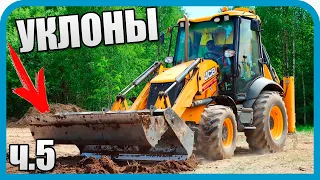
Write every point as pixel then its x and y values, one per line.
pixel 217 54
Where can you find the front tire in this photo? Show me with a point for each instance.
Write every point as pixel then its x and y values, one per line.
pixel 217 133
pixel 271 122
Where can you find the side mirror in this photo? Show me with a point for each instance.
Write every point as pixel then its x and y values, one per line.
pixel 168 60
pixel 255 25
pixel 229 53
pixel 161 39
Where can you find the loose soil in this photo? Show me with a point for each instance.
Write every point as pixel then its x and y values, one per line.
pixel 69 161
pixel 33 112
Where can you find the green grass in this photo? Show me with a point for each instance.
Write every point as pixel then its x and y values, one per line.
pixel 306 128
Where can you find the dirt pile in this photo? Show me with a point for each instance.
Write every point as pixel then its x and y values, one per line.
pixel 33 112
pixel 104 165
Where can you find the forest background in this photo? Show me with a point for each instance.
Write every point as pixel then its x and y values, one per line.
pixel 92 77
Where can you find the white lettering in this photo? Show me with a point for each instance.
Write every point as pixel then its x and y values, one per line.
pixel 26 34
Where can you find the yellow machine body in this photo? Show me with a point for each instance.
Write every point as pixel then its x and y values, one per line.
pixel 200 84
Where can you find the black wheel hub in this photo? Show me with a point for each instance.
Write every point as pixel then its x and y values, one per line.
pixel 271 123
pixel 224 133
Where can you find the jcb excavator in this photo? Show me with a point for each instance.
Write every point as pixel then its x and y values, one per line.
pixel 219 82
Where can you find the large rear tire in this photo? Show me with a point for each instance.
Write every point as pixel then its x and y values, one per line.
pixel 271 122
pixel 217 133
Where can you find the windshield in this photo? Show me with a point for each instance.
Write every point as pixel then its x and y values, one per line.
pixel 206 39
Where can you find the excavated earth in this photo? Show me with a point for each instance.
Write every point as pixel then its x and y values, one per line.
pixel 297 157
pixel 54 108
pixel 104 165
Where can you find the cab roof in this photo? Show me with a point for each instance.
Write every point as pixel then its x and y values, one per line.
pixel 243 12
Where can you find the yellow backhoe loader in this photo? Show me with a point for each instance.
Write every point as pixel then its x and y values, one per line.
pixel 218 82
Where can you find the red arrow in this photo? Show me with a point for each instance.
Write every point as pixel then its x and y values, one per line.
pixel 37 97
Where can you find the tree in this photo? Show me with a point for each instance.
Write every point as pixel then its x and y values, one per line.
pixel 88 77
pixel 288 36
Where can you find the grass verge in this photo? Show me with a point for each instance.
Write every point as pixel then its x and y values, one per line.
pixel 306 128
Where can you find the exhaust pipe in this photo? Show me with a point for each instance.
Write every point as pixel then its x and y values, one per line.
pixel 186 42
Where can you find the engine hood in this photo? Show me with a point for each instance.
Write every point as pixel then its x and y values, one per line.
pixel 171 74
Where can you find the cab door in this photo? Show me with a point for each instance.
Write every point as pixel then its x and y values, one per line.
pixel 249 58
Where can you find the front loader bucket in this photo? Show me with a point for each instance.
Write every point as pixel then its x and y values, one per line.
pixel 124 135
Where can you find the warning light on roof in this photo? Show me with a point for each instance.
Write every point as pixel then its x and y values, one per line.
pixel 242 9
pixel 224 9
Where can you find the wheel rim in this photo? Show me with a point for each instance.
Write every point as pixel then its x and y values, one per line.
pixel 276 122
pixel 227 133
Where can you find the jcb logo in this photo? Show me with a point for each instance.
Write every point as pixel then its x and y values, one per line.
pixel 211 72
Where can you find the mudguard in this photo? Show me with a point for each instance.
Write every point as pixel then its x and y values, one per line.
pixel 256 87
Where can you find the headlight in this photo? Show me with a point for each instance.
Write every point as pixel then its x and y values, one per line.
pixel 168 60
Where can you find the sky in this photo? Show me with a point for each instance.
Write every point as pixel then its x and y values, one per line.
pixel 199 11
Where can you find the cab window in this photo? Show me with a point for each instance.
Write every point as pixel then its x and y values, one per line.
pixel 248 56
pixel 206 40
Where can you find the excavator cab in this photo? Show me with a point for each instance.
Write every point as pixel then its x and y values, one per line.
pixel 231 41
pixel 209 40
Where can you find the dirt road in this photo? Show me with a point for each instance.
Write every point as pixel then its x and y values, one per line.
pixel 297 157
